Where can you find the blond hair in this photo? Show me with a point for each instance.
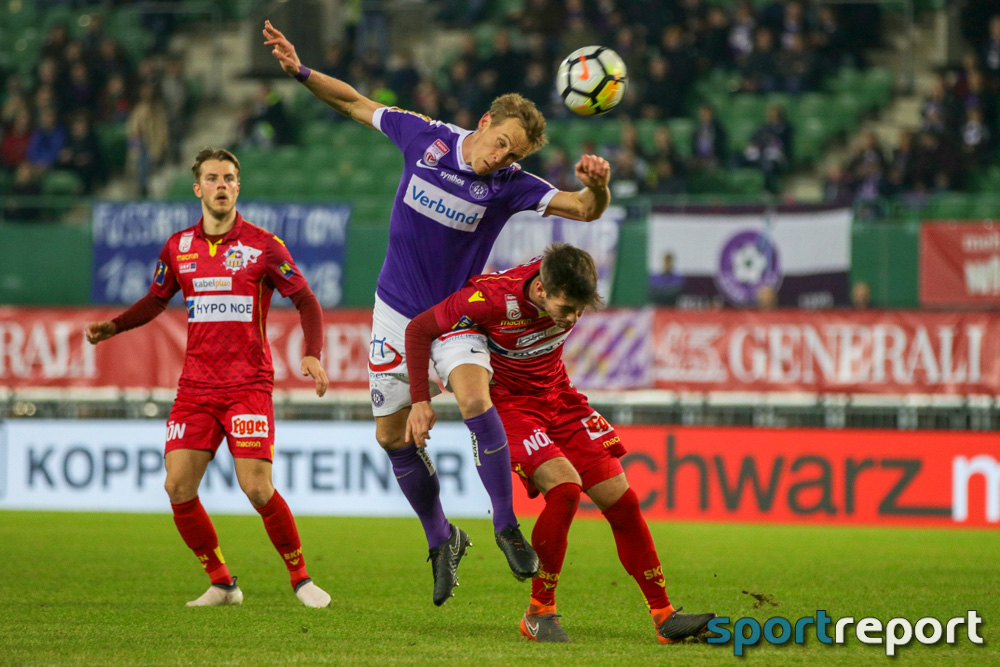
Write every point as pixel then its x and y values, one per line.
pixel 524 110
pixel 206 154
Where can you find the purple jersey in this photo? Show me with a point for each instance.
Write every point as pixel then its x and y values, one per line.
pixel 445 217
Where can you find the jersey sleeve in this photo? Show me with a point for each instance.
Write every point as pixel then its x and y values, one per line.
pixel 281 269
pixel 467 308
pixel 529 192
pixel 400 125
pixel 165 283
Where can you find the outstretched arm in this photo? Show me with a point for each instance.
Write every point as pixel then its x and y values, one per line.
pixel 311 319
pixel 139 313
pixel 590 202
pixel 336 93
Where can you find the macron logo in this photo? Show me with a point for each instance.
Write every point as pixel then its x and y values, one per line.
pixel 449 210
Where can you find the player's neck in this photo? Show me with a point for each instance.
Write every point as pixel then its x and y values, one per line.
pixel 213 226
pixel 467 144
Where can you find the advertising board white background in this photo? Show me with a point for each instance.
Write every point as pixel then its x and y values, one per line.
pixel 320 468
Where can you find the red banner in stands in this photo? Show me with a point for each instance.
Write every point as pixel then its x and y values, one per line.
pixel 46 347
pixel 960 264
pixel 891 352
pixel 810 476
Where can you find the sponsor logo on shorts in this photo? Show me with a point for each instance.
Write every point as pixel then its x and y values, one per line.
pixel 611 442
pixel 248 444
pixel 596 425
pixel 175 430
pixel 464 323
pixel 536 441
pixel 187 257
pixel 187 267
pixel 223 308
pixel 479 190
pixel 219 284
pixel 185 243
pixel 160 274
pixel 438 205
pixel 379 359
pixel 378 398
pixel 250 426
pixel 240 256
pixel 513 307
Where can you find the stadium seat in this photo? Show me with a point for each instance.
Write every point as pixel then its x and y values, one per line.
pixel 948 206
pixel 60 183
pixel 113 139
pixel 748 182
pixel 181 189
pixel 682 130
pixel 740 130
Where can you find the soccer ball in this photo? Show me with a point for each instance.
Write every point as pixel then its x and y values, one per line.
pixel 591 80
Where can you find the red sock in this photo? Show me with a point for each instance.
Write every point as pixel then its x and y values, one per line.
pixel 636 550
pixel 549 540
pixel 280 526
pixel 196 528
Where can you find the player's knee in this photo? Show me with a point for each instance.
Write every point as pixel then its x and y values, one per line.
pixel 258 492
pixel 473 405
pixel 390 439
pixel 180 491
pixel 568 496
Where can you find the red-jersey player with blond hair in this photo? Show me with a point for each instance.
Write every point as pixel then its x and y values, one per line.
pixel 227 269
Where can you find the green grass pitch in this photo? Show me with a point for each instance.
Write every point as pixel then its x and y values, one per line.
pixel 109 589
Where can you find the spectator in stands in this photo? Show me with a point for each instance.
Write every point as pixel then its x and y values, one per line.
pixel 792 25
pixel 869 153
pixel 667 285
pixel 80 94
pixel 990 50
pixel 976 139
pixel 741 33
pixel 709 143
pixel 403 77
pixel 796 66
pixel 54 45
pixel 507 63
pixel 630 174
pixel 713 51
pixel 829 41
pixel 760 70
pixel 558 170
pixel 14 148
pixel 115 105
pixel 900 172
pixel 111 62
pixel 268 124
pixel 25 185
pixel 537 87
pixel 940 109
pixel 836 188
pixel 680 61
pixel 537 17
pixel 936 164
pixel 462 89
pixel 770 147
pixel 577 34
pixel 82 154
pixel 176 100
pixel 861 295
pixel 666 173
pixel 15 99
pixel 977 96
pixel 148 136
pixel 335 61
pixel 664 94
pixel 46 141
pixel 631 49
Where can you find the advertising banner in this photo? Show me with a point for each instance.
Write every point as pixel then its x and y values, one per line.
pixel 894 352
pixel 811 476
pixel 679 473
pixel 128 237
pixel 46 347
pixel 527 234
pixel 320 468
pixel 960 264
pixel 696 259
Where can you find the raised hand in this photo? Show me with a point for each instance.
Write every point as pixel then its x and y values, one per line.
pixel 593 171
pixel 281 49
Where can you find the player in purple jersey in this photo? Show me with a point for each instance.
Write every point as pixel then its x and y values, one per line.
pixel 458 189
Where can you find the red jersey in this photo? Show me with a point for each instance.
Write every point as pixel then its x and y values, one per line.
pixel 525 344
pixel 227 289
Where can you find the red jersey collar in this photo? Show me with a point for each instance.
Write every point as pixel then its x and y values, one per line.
pixel 233 233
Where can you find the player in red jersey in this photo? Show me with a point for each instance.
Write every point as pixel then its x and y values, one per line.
pixel 560 446
pixel 227 269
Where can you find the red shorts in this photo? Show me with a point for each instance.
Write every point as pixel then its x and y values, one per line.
pixel 246 419
pixel 561 423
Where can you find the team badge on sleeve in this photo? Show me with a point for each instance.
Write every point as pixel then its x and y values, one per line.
pixel 160 275
pixel 286 270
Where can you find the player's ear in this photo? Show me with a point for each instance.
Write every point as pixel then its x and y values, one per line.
pixel 484 122
pixel 197 190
